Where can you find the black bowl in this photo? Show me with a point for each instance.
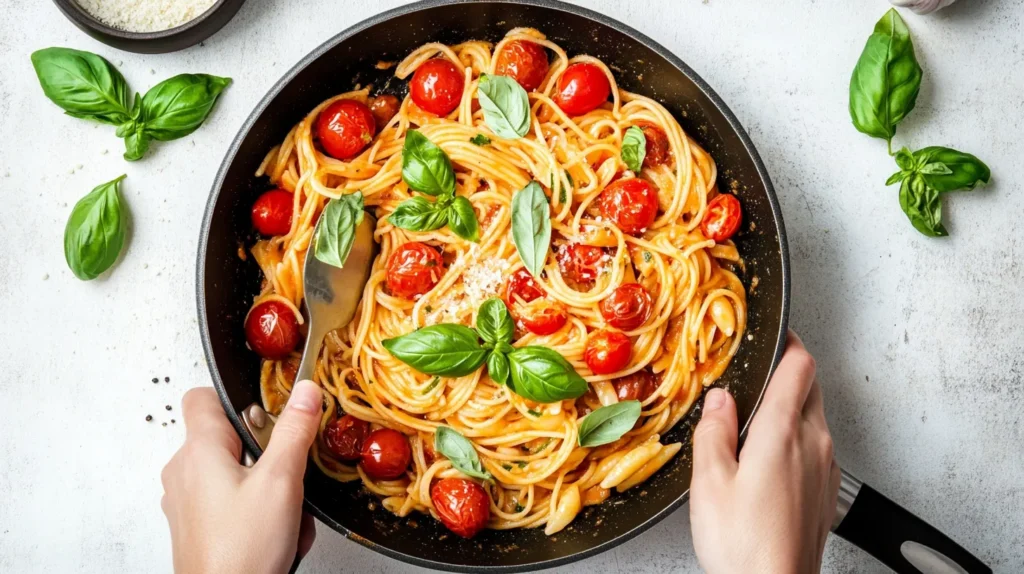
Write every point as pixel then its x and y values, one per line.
pixel 171 40
pixel 226 285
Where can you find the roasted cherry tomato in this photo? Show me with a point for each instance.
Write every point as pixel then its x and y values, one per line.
pixel 345 128
pixel 521 286
pixel 413 269
pixel 628 307
pixel 582 87
pixel 436 87
pixel 636 387
pixel 523 61
pixel 542 316
pixel 657 150
pixel 384 108
pixel 607 352
pixel 723 217
pixel 462 505
pixel 272 212
pixel 344 437
pixel 631 204
pixel 385 454
pixel 272 330
pixel 579 262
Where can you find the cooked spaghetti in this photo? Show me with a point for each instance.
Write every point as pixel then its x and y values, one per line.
pixel 691 303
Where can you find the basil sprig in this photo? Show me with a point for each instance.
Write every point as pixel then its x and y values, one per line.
pixel 336 230
pixel 459 450
pixel 95 231
pixel 608 423
pixel 494 322
pixel 531 226
pixel 926 174
pixel 425 166
pixel 505 104
pixel 634 148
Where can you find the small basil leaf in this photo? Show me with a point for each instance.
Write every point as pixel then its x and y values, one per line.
pixel 497 368
pixel 935 168
pixel 177 106
pixel 419 214
pixel 542 375
pixel 505 104
pixel 480 140
pixel 886 79
pixel 462 219
pixel 904 159
pixel 459 450
pixel 83 84
pixel 965 171
pixel 336 230
pixel 447 350
pixel 898 176
pixel 136 142
pixel 425 167
pixel 95 231
pixel 494 322
pixel 531 226
pixel 608 424
pixel 503 347
pixel 923 206
pixel 634 148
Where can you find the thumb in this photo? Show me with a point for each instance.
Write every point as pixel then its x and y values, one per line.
pixel 294 431
pixel 714 439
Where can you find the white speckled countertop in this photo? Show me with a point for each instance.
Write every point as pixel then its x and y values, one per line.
pixel 918 341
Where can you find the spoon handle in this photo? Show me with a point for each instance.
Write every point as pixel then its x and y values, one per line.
pixel 314 341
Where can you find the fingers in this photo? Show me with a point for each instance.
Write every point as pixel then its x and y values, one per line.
pixel 307 535
pixel 792 381
pixel 294 431
pixel 206 425
pixel 714 439
pixel 828 508
pixel 814 408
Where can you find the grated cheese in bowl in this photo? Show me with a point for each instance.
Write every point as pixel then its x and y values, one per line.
pixel 145 15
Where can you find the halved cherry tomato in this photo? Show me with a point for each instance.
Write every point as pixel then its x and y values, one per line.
pixel 385 454
pixel 272 212
pixel 723 217
pixel 657 150
pixel 628 307
pixel 607 352
pixel 345 128
pixel 462 505
pixel 579 262
pixel 272 330
pixel 413 269
pixel 344 437
pixel 582 87
pixel 631 204
pixel 521 285
pixel 523 61
pixel 436 87
pixel 383 108
pixel 636 387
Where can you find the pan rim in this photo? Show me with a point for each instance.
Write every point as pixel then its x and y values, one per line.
pixel 382 18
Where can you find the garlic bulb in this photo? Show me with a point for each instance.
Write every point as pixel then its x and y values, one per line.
pixel 922 6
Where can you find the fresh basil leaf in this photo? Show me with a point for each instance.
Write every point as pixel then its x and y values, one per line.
pixel 83 84
pixel 480 140
pixel 965 171
pixel 898 176
pixel 608 423
pixel 503 347
pixel 531 226
pixel 923 206
pixel 447 350
pixel 177 106
pixel 425 167
pixel 497 368
pixel 136 142
pixel 419 214
pixel 494 323
pixel 505 104
pixel 462 219
pixel 886 79
pixel 904 159
pixel 542 375
pixel 634 148
pixel 459 450
pixel 336 230
pixel 95 231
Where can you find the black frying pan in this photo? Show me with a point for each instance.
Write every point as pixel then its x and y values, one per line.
pixel 226 284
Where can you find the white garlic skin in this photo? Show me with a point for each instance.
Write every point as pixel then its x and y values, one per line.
pixel 922 6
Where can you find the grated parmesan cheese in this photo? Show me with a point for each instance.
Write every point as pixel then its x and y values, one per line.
pixel 479 282
pixel 145 15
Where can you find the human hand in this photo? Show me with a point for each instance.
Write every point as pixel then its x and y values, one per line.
pixel 225 517
pixel 771 510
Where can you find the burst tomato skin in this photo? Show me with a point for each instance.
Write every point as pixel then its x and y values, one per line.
pixel 723 217
pixel 636 387
pixel 272 212
pixel 582 87
pixel 462 505
pixel 579 262
pixel 607 352
pixel 631 204
pixel 413 269
pixel 344 437
pixel 628 307
pixel 543 317
pixel 657 149
pixel 521 285
pixel 436 87
pixel 272 330
pixel 385 454
pixel 345 128
pixel 523 61
pixel 383 108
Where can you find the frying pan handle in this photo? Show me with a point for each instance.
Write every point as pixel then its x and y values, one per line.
pixel 895 536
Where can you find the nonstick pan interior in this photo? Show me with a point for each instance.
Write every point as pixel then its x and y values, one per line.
pixel 226 284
